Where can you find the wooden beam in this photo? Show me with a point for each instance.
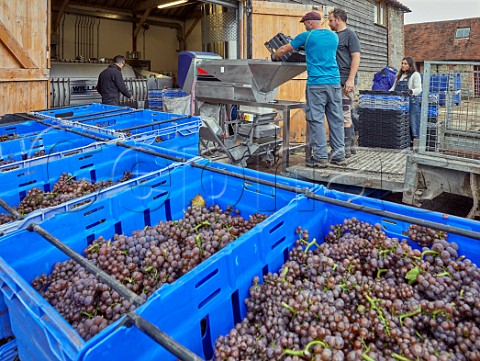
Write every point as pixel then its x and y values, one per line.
pixel 14 47
pixel 60 14
pixel 9 75
pixel 190 29
pixel 142 20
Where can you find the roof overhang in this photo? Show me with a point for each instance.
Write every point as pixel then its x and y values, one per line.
pixel 399 5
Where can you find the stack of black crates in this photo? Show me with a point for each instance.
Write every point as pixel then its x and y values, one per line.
pixel 384 120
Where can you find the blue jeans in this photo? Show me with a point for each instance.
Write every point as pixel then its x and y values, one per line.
pixel 415 112
pixel 325 100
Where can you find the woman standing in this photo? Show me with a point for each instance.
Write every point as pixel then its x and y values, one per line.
pixel 408 80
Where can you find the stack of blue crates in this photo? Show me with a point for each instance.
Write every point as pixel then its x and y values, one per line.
pixel 384 120
pixel 218 300
pixel 383 100
pixel 177 132
pixel 206 302
pixel 155 97
pixel 442 84
pixel 162 198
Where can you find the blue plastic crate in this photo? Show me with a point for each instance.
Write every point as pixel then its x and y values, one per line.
pixel 173 93
pixel 69 113
pixel 175 131
pixel 137 118
pixel 443 82
pixel 155 94
pixel 383 100
pixel 432 110
pixel 213 295
pixel 118 125
pixel 181 138
pixel 48 142
pixel 40 331
pixel 108 162
pixel 8 352
pixel 442 98
pixel 20 130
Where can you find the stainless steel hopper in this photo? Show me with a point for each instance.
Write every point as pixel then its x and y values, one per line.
pixel 244 79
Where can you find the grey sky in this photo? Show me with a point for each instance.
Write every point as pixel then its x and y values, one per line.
pixel 438 10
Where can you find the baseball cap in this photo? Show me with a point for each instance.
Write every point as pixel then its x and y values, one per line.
pixel 312 15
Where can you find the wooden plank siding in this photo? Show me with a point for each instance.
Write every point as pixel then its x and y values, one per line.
pixel 24 45
pixel 373 37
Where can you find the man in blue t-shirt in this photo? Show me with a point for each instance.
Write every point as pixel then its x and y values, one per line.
pixel 323 91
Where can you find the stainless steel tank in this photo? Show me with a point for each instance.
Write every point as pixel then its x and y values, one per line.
pixel 73 83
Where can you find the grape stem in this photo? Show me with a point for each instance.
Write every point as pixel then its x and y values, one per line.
pixel 410 314
pixel 446 273
pixel 204 223
pixel 292 353
pixel 396 356
pixel 379 311
pixel 380 271
pixel 306 349
pixel 94 248
pixel 366 357
pixel 429 252
pixel 284 274
pixel 314 242
pixel 288 307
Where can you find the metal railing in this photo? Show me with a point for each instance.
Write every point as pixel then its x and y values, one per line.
pixel 450 119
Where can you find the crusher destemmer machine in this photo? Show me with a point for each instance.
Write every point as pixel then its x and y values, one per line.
pixel 236 99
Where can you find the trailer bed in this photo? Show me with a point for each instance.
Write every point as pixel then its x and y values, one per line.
pixel 382 169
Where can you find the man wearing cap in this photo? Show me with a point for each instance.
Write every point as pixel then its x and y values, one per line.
pixel 323 91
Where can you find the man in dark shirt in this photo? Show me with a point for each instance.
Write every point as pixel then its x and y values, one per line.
pixel 110 83
pixel 348 59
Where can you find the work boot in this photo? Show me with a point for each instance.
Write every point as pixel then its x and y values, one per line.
pixel 316 163
pixel 341 162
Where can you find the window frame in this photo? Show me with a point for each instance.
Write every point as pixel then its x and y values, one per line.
pixel 461 31
pixel 380 12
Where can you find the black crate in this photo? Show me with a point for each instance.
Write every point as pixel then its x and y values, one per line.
pixel 384 113
pixel 387 143
pixel 387 135
pixel 281 39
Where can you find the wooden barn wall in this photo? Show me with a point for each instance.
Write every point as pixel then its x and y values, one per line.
pixel 375 39
pixel 24 43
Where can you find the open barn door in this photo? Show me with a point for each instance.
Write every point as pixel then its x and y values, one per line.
pixel 24 44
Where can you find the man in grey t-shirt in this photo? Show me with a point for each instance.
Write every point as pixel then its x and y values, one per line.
pixel 348 59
